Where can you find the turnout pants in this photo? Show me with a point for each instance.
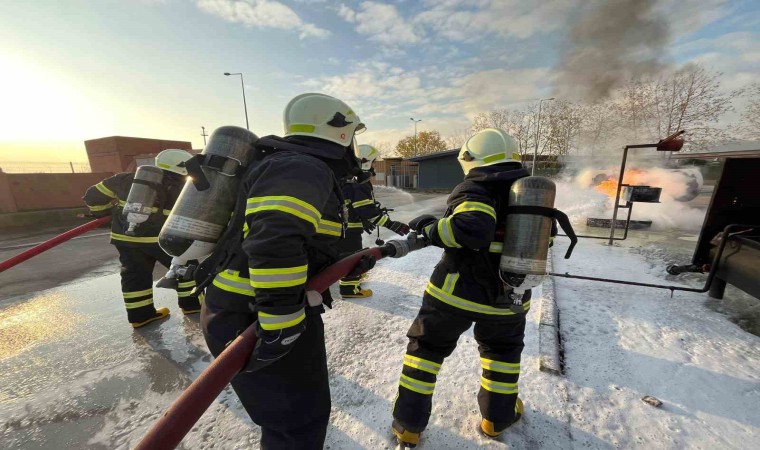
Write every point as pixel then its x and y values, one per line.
pixel 290 398
pixel 137 264
pixel 352 243
pixel 432 337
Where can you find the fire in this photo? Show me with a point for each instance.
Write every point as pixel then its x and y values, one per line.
pixel 609 186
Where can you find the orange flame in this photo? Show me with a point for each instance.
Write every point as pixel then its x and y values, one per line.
pixel 609 186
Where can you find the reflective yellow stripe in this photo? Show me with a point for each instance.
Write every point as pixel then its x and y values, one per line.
pixel 230 281
pixel 185 284
pixel 364 202
pixel 476 207
pixel 246 230
pixel 166 211
pixel 496 247
pixel 498 387
pixel 302 128
pixel 383 220
pixel 498 366
pixel 102 188
pixel 467 305
pixel 139 304
pixel 137 293
pixel 350 283
pixel 140 240
pixel 100 207
pixel 446 233
pixel 422 364
pixel 184 294
pixel 450 282
pixel 278 322
pixel 495 157
pixel 329 227
pixel 286 204
pixel 278 277
pixel 355 225
pixel 420 387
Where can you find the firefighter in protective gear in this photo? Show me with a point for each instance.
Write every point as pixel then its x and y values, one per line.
pixel 138 254
pixel 293 220
pixel 364 214
pixel 464 289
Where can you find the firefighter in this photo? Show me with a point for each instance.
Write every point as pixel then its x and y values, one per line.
pixel 364 214
pixel 138 254
pixel 465 288
pixel 294 218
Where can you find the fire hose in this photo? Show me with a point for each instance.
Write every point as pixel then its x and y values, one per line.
pixel 52 242
pixel 168 432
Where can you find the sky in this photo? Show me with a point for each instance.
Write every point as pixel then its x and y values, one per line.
pixel 75 70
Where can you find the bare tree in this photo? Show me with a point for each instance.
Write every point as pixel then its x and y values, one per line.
pixel 384 147
pixel 749 126
pixel 497 118
pixel 457 138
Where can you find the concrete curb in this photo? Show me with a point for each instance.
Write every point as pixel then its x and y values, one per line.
pixel 549 344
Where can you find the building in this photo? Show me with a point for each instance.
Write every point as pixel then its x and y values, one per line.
pixel 395 172
pixel 439 170
pixel 116 154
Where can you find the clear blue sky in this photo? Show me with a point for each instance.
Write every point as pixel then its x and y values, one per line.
pixel 74 70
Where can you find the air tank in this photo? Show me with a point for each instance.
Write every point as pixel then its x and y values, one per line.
pixel 526 236
pixel 205 205
pixel 142 196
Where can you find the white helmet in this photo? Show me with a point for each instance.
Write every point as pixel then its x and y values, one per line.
pixel 488 147
pixel 366 154
pixel 323 117
pixel 173 160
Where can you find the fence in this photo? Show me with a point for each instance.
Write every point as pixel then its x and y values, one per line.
pixel 44 167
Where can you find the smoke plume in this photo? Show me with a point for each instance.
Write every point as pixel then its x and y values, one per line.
pixel 612 41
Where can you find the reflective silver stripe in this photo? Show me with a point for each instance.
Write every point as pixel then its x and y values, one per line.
pixel 228 281
pixel 290 205
pixel 278 322
pixel 450 282
pixel 278 277
pixel 421 387
pixel 496 247
pixel 498 387
pixel 446 233
pixel 475 207
pixel 468 305
pixel 498 366
pixel 330 227
pixel 422 364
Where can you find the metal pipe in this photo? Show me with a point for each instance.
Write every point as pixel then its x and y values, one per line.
pixel 52 242
pixel 617 196
pixel 705 288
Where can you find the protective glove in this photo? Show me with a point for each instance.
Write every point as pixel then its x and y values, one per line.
pixel 368 226
pixel 365 264
pixel 399 228
pixel 420 224
pixel 273 344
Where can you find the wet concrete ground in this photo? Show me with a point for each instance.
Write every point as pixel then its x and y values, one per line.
pixel 74 374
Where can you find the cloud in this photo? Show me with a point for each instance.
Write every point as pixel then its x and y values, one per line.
pixel 382 23
pixel 261 14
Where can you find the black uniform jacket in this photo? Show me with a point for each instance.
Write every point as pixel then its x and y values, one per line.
pixel 293 219
pixel 110 195
pixel 364 212
pixel 466 280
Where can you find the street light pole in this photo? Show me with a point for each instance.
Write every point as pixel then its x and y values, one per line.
pixel 415 133
pixel 242 86
pixel 538 129
pixel 203 133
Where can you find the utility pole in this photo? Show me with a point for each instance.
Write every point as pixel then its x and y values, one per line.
pixel 415 134
pixel 538 129
pixel 203 133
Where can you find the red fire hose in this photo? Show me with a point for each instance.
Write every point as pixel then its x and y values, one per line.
pixel 190 406
pixel 50 243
